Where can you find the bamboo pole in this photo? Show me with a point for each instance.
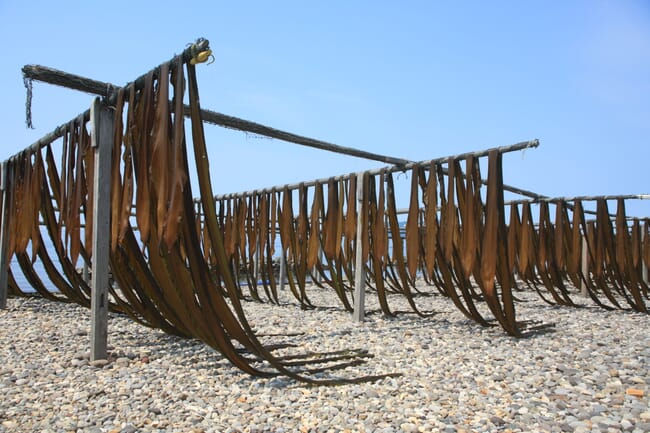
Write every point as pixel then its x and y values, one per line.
pixel 102 143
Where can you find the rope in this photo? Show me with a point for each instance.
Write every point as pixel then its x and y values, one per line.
pixel 28 103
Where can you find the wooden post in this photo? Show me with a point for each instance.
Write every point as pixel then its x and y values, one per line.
pixel 102 142
pixel 319 277
pixel 359 269
pixel 85 273
pixel 584 266
pixel 644 267
pixel 283 270
pixel 4 238
pixel 256 261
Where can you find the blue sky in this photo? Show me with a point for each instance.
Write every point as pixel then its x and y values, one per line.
pixel 412 79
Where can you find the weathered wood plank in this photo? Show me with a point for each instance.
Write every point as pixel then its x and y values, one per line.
pixel 644 267
pixel 359 268
pixel 584 267
pixel 283 271
pixel 102 141
pixel 4 238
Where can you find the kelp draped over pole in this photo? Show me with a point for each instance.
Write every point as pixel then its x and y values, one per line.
pixel 161 271
pixel 452 240
pixel 176 260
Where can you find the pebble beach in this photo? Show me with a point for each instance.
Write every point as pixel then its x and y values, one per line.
pixel 589 372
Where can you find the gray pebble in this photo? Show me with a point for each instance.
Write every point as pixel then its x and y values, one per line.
pixel 99 363
pixel 642 426
pixel 159 383
pixel 497 421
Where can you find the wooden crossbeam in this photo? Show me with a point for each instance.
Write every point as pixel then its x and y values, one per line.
pixel 95 87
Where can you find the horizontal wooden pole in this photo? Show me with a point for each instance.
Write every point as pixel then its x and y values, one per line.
pixel 256 128
pixel 569 201
pixel 584 198
pixel 504 149
pixel 54 76
pixel 31 72
pixel 71 81
pixel 107 90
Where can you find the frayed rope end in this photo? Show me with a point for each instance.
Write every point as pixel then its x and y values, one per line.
pixel 28 103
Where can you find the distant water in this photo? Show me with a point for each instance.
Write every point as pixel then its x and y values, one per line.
pixel 22 282
pixel 40 270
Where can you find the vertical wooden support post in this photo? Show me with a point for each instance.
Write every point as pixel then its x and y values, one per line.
pixel 319 277
pixel 584 266
pixel 4 238
pixel 359 267
pixel 283 270
pixel 644 267
pixel 256 260
pixel 85 272
pixel 102 143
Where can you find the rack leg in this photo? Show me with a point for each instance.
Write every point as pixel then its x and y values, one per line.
pixel 102 142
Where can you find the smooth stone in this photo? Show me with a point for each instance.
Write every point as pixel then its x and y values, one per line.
pixel 371 393
pixel 626 425
pixel 522 410
pixel 155 411
pixel 195 388
pixel 122 361
pixel 81 355
pixel 79 362
pixel 408 427
pixel 498 421
pixel 99 363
